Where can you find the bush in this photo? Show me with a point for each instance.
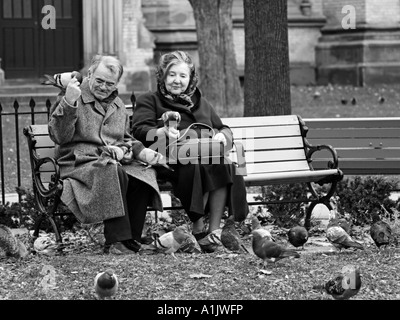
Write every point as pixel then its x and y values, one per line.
pixel 360 196
pixel 23 214
pixel 357 197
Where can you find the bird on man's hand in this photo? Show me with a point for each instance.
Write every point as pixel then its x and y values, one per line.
pixel 61 80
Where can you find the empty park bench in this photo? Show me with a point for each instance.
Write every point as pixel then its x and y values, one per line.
pixel 365 146
pixel 275 150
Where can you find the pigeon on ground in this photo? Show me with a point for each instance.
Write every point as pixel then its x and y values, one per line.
pixel 230 238
pixel 170 242
pixel 106 284
pixel 298 236
pixel 12 246
pixel 268 250
pixel 256 225
pixel 341 222
pixel 341 239
pixel 211 242
pixel 346 285
pixel 61 80
pixel 381 233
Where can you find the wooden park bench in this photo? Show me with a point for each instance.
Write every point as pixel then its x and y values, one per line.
pixel 365 146
pixel 275 150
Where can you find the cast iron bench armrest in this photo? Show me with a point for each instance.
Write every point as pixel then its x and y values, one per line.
pixel 332 164
pixel 56 186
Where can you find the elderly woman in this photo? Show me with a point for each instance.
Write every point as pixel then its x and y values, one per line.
pixel 102 179
pixel 202 188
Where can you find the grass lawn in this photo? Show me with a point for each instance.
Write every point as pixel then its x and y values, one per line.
pixel 218 275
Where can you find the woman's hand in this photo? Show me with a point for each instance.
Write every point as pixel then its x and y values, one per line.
pixel 171 132
pixel 221 137
pixel 150 156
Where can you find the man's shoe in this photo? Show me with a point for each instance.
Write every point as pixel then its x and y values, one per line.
pixel 132 245
pixel 117 248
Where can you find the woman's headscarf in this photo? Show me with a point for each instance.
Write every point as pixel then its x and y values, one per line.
pixel 166 62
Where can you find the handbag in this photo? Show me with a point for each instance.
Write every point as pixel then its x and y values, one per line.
pixel 196 150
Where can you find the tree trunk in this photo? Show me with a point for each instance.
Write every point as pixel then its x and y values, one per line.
pixel 267 79
pixel 219 79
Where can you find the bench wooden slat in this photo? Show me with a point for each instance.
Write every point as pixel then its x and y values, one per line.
pixel 359 143
pixel 281 166
pixel 389 122
pixel 272 143
pixel 361 153
pixel 266 132
pixel 275 155
pixel 260 121
pixel 40 129
pixel 288 177
pixel 351 133
pixel 45 152
pixel 44 142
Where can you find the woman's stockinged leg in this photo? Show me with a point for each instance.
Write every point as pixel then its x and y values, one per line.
pixel 217 201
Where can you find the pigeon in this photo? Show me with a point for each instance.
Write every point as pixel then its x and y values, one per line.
pixel 211 242
pixel 298 236
pixel 256 225
pixel 341 239
pixel 171 117
pixel 268 250
pixel 345 285
pixel 61 80
pixel 381 233
pixel 170 242
pixel 190 245
pixel 343 101
pixel 381 99
pixel 353 101
pixel 44 245
pixel 11 246
pixel 230 238
pixel 340 222
pixel 106 284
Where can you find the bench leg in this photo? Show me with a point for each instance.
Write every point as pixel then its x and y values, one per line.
pixel 307 220
pixel 47 213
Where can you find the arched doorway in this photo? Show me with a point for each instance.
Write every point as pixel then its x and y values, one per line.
pixel 28 50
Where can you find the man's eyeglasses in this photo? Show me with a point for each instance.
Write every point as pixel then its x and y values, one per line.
pixel 109 85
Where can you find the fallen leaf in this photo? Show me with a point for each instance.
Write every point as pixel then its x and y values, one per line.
pixel 267 272
pixel 199 276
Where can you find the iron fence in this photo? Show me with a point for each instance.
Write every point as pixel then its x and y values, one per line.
pixel 13 118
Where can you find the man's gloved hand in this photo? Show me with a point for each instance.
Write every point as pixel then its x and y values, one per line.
pixel 150 156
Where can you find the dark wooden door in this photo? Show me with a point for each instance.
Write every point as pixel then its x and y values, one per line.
pixel 28 50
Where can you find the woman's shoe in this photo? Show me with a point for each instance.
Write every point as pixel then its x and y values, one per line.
pixel 118 248
pixel 200 235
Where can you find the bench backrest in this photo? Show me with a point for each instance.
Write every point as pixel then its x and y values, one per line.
pixel 272 144
pixel 364 145
pixel 41 146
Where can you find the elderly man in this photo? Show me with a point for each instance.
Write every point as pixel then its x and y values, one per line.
pixel 105 170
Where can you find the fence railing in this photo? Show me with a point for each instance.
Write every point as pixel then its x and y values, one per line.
pixel 15 165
